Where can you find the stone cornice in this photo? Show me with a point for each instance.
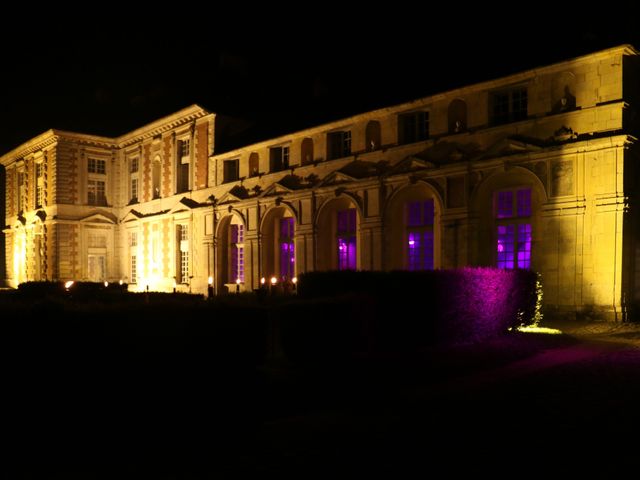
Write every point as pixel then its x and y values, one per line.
pixel 426 102
pixel 165 124
pixel 86 139
pixel 37 143
pixel 50 137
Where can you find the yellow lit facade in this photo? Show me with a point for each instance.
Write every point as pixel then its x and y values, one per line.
pixel 161 208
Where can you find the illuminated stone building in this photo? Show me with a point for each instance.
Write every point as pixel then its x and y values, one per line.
pixel 534 170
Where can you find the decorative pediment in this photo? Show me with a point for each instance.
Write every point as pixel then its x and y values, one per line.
pixel 183 205
pixel 336 178
pixel 131 216
pixel 359 169
pixel 276 189
pixel 510 146
pixel 100 217
pixel 228 198
pixel 412 164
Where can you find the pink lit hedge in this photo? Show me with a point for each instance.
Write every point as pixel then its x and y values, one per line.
pixel 412 309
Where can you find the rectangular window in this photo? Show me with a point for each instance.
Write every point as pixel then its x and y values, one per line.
pixel 95 165
pixel 346 230
pixel 21 191
pixel 237 253
pixel 287 248
pixel 133 239
pixel 133 180
pixel 420 250
pixel 505 206
pixel 97 240
pixel 134 189
pixel 182 236
pixel 278 159
pixel 182 168
pixel 413 127
pixel 338 144
pixel 231 171
pixel 96 193
pixel 39 184
pixel 508 106
pixel 514 246
pixel 184 149
pixel 420 218
pixel 134 269
pixel 513 232
pixel 184 266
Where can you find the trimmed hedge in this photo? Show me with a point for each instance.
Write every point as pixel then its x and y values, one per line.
pixel 413 309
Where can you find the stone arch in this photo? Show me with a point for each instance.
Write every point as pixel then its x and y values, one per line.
pixel 277 231
pixel 397 229
pixel 337 247
pixel 457 115
pixel 483 251
pixel 230 251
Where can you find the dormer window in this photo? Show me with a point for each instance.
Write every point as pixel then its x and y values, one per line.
pixel 413 127
pixel 278 158
pixel 508 106
pixel 231 170
pixel 338 144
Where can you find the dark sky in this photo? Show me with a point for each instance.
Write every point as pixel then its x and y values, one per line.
pixel 109 75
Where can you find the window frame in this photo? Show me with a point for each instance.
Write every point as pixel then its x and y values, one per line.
pixel 518 220
pixel 510 114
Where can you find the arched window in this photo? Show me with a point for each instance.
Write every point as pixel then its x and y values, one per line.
pixel 563 90
pixel 372 136
pixel 306 151
pixel 337 226
pixel 457 116
pixel 156 175
pixel 278 243
pixel 254 164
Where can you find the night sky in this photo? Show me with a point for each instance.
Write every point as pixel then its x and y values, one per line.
pixel 111 74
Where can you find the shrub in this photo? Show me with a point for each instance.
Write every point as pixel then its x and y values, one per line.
pixel 413 309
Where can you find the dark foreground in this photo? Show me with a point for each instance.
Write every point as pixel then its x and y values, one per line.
pixel 519 405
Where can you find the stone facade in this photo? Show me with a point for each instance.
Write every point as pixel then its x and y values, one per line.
pixel 556 144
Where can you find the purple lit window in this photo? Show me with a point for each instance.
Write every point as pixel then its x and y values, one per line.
pixel 514 246
pixel 524 202
pixel 419 247
pixel 287 248
pixel 513 249
pixel 505 207
pixel 347 239
pixel 504 204
pixel 237 253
